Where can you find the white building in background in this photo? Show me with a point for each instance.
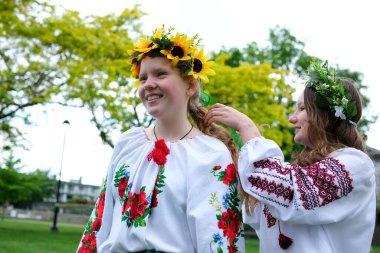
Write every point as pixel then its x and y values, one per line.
pixel 75 189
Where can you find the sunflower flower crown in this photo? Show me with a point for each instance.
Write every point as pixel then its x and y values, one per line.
pixel 183 52
pixel 330 87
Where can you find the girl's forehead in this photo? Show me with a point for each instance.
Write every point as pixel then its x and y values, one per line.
pixel 157 62
pixel 300 99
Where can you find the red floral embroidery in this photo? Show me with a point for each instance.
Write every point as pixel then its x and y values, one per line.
pixel 154 198
pixel 159 152
pixel 101 205
pixel 96 225
pixel 232 249
pixel 229 220
pixel 89 239
pixel 138 205
pixel 230 224
pixel 122 186
pixel 230 175
pixel 127 203
pixel 217 167
pixel 88 244
pixel 99 218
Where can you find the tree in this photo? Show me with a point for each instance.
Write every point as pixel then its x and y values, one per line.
pixel 64 59
pixel 17 187
pixel 285 51
pixel 260 92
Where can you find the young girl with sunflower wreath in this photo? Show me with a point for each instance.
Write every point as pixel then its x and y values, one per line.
pixel 325 201
pixel 172 187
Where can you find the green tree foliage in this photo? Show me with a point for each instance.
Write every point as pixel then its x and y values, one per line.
pixel 65 59
pixel 56 56
pixel 285 51
pixel 259 91
pixel 17 187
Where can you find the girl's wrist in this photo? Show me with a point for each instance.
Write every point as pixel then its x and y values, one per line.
pixel 248 132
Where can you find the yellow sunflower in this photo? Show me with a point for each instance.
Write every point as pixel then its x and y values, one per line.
pixel 202 68
pixel 135 69
pixel 158 33
pixel 144 46
pixel 181 49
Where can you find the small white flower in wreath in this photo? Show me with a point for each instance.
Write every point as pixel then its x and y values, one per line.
pixel 339 112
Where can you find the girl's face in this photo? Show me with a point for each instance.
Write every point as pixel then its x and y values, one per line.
pixel 300 120
pixel 163 91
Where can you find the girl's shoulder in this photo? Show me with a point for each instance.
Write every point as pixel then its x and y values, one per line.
pixel 131 137
pixel 351 155
pixel 204 143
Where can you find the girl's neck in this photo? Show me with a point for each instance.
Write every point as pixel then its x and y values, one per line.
pixel 173 130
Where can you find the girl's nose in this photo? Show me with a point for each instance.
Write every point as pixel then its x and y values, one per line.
pixel 149 84
pixel 292 119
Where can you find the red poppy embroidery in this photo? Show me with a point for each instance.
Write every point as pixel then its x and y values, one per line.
pixel 98 221
pixel 230 175
pixel 159 152
pixel 93 226
pixel 88 244
pixel 127 203
pixel 121 180
pixel 230 224
pixel 138 205
pixel 154 198
pixel 229 220
pixel 217 167
pixel 122 186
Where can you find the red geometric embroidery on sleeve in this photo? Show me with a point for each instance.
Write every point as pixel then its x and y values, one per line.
pixel 271 164
pixel 271 221
pixel 322 183
pixel 271 187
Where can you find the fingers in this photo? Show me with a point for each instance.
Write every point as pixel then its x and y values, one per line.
pixel 217 113
pixel 217 105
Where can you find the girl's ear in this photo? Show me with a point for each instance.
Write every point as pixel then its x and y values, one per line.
pixel 193 86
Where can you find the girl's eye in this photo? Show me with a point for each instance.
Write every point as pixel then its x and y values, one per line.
pixel 162 74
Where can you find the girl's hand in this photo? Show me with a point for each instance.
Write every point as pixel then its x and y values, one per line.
pixel 234 119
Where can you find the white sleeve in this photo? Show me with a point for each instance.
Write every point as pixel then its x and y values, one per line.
pixel 213 205
pixel 321 193
pixel 100 222
pixel 253 220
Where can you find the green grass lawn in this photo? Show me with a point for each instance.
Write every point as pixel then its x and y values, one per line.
pixel 23 236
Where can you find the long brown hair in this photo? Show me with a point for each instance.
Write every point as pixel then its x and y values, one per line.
pixel 197 113
pixel 326 132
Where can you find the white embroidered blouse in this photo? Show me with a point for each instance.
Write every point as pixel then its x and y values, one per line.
pixel 171 197
pixel 326 207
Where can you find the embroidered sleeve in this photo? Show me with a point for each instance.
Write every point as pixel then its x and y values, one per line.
pixel 295 193
pixel 214 210
pixel 89 242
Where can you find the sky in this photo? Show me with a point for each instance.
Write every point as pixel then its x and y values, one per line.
pixel 343 32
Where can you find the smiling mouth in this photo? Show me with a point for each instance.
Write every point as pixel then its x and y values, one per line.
pixel 153 97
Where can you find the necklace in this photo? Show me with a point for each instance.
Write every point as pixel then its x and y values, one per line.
pixel 155 135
